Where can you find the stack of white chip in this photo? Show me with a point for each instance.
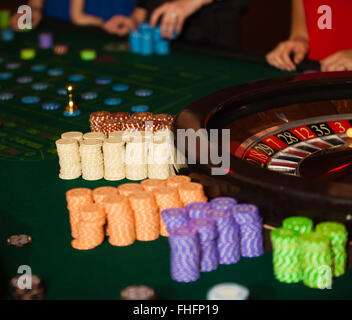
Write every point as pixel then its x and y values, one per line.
pixel 114 159
pixel 73 135
pixel 69 159
pixel 94 135
pixel 159 159
pixel 135 159
pixel 92 159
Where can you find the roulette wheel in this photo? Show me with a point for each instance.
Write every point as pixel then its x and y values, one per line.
pixel 288 150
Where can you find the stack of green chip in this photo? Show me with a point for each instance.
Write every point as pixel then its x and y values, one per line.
pixel 5 17
pixel 338 235
pixel 316 260
pixel 286 255
pixel 299 224
pixel 88 55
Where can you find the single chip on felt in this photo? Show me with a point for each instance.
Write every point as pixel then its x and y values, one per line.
pixel 138 293
pixel 75 77
pixel 55 72
pixel 6 96
pixel 140 108
pixel 88 54
pixel 143 92
pixel 19 240
pixel 38 68
pixel 60 49
pixel 5 75
pixel 51 106
pixel 89 95
pixel 103 81
pixel 24 80
pixel 120 87
pixel 27 54
pixel 30 99
pixel 113 101
pixel 62 91
pixel 13 65
pixel 39 86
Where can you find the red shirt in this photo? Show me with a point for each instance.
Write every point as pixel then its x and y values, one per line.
pixel 324 42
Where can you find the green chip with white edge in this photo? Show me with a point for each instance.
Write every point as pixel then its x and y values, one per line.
pixel 299 224
pixel 337 232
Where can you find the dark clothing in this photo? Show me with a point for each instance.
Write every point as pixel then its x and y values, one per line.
pixel 215 25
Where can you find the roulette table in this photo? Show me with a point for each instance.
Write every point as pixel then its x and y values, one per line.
pixel 32 196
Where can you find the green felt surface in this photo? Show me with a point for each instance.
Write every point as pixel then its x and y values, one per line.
pixel 32 197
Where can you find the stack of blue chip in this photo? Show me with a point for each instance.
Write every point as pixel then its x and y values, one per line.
pixel 185 254
pixel 207 233
pixel 147 40
pixel 248 218
pixel 228 241
pixel 7 35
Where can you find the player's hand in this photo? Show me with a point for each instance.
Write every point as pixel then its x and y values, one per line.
pixel 173 15
pixel 88 20
pixel 120 25
pixel 280 56
pixel 340 61
pixel 36 18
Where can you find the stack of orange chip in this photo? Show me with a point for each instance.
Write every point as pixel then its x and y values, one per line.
pixel 129 188
pixel 146 215
pixel 191 192
pixel 150 185
pixel 176 181
pixel 76 198
pixel 90 227
pixel 120 220
pixel 166 198
pixel 100 193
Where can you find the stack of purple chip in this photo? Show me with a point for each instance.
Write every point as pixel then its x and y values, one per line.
pixel 228 241
pixel 185 254
pixel 207 234
pixel 248 218
pixel 197 209
pixel 174 218
pixel 224 203
pixel 45 40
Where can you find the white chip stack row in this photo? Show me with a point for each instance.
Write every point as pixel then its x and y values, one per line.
pixel 136 164
pixel 69 159
pixel 159 159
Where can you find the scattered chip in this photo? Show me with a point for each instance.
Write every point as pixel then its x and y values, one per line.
pixel 13 65
pixel 138 293
pixel 5 75
pixel 62 91
pixel 51 106
pixel 89 95
pixel 88 55
pixel 60 49
pixel 39 86
pixel 38 68
pixel 55 72
pixel 120 87
pixel 103 81
pixel 228 291
pixel 6 96
pixel 19 240
pixel 143 92
pixel 113 101
pixel 140 108
pixel 30 99
pixel 27 54
pixel 24 80
pixel 76 77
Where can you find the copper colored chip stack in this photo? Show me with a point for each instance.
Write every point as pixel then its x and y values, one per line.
pixel 120 220
pixel 100 193
pixel 96 120
pixel 128 189
pixel 142 116
pixel 110 125
pixel 132 125
pixel 146 216
pixel 164 125
pixel 176 181
pixel 191 192
pixel 121 116
pixel 150 185
pixel 60 49
pixel 91 227
pixel 152 125
pixel 36 292
pixel 163 117
pixel 75 198
pixel 166 198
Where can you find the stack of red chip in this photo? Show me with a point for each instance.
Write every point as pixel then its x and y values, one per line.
pixel 60 49
pixel 110 125
pixel 132 125
pixel 96 120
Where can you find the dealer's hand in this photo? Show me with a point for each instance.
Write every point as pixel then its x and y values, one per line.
pixel 88 20
pixel 120 25
pixel 340 61
pixel 174 14
pixel 280 56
